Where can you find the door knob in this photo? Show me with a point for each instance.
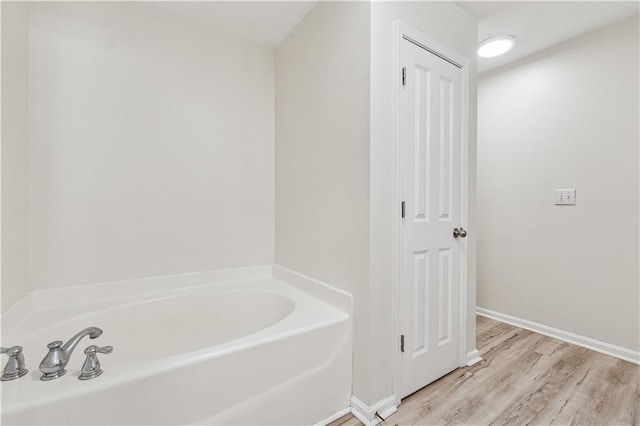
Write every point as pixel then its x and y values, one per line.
pixel 459 233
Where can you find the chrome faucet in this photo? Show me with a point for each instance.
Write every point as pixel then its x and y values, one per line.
pixel 15 366
pixel 53 365
pixel 92 367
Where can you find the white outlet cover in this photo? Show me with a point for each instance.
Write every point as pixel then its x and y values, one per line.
pixel 565 197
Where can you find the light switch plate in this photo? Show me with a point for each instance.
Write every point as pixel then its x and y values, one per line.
pixel 565 197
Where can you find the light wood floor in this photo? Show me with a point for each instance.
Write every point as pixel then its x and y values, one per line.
pixel 526 379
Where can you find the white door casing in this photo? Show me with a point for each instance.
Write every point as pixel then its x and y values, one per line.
pixel 431 261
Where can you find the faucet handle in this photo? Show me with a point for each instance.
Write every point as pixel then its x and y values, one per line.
pixel 93 349
pixel 54 345
pixel 15 366
pixel 91 367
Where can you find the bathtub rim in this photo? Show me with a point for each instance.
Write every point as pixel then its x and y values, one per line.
pixel 84 294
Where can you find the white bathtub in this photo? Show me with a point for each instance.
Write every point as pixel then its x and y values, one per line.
pixel 258 345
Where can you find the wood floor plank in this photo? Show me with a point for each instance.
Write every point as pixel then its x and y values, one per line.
pixel 493 392
pixel 526 379
pixel 608 393
pixel 535 396
pixel 569 396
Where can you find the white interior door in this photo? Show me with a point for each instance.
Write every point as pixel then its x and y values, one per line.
pixel 431 172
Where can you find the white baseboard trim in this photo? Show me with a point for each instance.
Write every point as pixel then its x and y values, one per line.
pixel 367 414
pixel 473 357
pixel 336 416
pixel 576 339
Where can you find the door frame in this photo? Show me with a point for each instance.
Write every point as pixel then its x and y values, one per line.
pixel 406 32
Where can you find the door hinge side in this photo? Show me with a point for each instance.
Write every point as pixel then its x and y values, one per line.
pixel 402 343
pixel 404 76
pixel 403 208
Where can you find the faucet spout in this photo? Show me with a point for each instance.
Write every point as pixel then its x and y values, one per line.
pixel 71 344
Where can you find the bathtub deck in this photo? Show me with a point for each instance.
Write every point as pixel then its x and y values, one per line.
pixel 526 378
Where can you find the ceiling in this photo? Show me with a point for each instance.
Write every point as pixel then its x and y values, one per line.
pixel 539 25
pixel 263 22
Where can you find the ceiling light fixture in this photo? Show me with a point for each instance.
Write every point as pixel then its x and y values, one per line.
pixel 496 46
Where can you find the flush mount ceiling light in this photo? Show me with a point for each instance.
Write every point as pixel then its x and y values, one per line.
pixel 496 46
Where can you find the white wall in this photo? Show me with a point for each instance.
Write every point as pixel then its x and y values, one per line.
pixel 335 160
pixel 452 27
pixel 322 155
pixel 151 145
pixel 14 152
pixel 565 118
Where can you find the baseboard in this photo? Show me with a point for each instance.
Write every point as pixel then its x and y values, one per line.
pixel 334 417
pixel 473 357
pixel 576 339
pixel 367 414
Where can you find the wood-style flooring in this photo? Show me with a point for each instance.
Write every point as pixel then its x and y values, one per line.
pixel 526 379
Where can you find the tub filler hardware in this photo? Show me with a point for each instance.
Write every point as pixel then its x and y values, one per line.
pixel 91 367
pixel 53 365
pixel 15 365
